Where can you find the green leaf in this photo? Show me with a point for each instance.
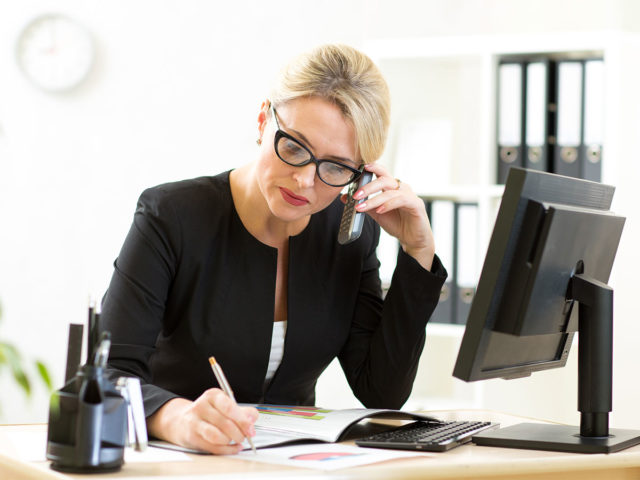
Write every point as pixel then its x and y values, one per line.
pixel 14 361
pixel 44 374
pixel 10 358
pixel 22 380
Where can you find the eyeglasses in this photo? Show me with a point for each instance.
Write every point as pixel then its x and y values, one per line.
pixel 294 153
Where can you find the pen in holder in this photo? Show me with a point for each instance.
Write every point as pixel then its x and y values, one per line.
pixel 88 418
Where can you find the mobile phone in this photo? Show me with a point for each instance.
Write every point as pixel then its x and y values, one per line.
pixel 352 221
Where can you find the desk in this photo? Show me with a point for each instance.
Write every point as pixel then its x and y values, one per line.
pixel 468 461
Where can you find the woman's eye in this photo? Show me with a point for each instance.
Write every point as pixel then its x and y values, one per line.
pixel 293 149
pixel 334 169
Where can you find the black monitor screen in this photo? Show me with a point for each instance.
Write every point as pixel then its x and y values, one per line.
pixel 544 279
pixel 548 228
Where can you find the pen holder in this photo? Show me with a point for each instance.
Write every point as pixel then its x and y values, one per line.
pixel 87 424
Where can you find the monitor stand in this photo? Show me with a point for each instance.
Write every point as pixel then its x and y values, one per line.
pixel 595 364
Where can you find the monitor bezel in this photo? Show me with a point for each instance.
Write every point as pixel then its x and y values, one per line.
pixel 522 185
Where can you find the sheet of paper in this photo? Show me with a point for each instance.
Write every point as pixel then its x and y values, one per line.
pixel 263 438
pixel 272 475
pixel 154 455
pixel 332 456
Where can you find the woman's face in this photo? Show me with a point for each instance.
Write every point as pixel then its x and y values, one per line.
pixel 293 192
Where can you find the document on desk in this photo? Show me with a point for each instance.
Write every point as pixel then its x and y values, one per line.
pixel 279 425
pixel 290 474
pixel 325 456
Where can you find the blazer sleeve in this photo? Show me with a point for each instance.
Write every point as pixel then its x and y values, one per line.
pixel 380 358
pixel 133 306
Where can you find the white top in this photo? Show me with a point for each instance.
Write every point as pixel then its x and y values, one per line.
pixel 277 349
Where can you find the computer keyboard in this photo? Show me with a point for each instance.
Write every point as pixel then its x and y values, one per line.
pixel 427 436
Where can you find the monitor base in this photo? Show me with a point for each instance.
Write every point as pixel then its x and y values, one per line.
pixel 557 438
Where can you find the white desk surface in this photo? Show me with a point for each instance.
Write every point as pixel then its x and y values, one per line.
pixel 22 459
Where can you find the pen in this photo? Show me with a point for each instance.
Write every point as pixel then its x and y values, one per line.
pixel 222 380
pixel 91 331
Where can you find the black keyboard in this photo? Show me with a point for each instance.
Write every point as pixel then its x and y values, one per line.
pixel 427 436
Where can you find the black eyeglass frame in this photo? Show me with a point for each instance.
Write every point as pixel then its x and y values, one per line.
pixel 357 172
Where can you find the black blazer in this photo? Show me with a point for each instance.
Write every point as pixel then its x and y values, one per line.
pixel 191 282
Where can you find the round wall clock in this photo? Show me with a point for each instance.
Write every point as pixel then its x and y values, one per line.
pixel 55 52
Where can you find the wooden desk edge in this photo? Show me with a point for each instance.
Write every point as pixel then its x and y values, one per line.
pixel 524 464
pixel 13 469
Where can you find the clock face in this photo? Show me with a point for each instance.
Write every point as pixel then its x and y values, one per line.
pixel 55 52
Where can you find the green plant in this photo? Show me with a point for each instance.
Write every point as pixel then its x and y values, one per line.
pixel 11 358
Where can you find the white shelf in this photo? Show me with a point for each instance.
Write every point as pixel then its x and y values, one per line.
pixel 498 44
pixel 445 330
pixel 449 83
pixel 464 193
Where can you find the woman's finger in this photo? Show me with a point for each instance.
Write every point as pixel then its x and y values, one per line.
pixel 210 439
pixel 391 200
pixel 223 412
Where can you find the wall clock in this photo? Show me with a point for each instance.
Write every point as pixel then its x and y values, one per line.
pixel 55 52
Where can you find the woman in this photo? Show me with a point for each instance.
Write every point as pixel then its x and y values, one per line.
pixel 245 266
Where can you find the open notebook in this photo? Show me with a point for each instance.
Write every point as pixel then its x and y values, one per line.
pixel 278 425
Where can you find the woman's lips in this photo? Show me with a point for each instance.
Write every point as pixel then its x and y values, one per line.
pixel 292 198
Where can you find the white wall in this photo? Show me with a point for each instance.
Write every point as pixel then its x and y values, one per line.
pixel 173 94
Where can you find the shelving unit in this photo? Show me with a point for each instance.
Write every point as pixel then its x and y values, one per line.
pixel 453 80
pixel 445 87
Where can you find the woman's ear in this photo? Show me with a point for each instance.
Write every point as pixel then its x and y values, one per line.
pixel 263 117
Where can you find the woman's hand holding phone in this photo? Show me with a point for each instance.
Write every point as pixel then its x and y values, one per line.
pixel 399 211
pixel 352 220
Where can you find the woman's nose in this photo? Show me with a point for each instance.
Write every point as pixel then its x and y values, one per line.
pixel 305 176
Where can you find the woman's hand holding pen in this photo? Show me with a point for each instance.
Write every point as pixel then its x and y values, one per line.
pixel 400 212
pixel 210 423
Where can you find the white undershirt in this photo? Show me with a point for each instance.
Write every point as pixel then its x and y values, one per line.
pixel 277 349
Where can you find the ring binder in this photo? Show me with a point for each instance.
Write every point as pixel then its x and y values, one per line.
pixel 467 256
pixel 569 126
pixel 510 112
pixel 593 133
pixel 441 215
pixel 536 112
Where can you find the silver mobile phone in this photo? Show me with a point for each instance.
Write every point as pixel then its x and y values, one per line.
pixel 352 221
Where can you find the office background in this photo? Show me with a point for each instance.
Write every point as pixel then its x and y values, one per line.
pixel 174 93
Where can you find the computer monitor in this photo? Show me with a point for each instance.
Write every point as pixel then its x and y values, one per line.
pixel 544 279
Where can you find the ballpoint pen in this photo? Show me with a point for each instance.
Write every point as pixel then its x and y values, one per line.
pixel 92 331
pixel 222 380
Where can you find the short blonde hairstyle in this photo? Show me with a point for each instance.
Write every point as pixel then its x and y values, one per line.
pixel 349 79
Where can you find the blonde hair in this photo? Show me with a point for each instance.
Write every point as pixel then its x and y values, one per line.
pixel 349 79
